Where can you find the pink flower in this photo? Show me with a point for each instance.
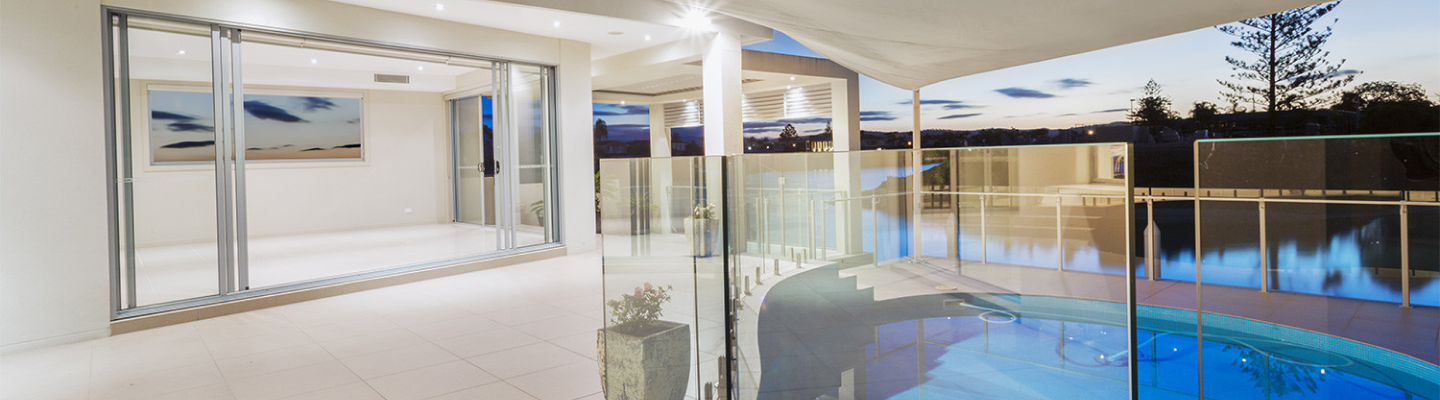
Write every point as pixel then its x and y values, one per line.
pixel 647 286
pixel 637 292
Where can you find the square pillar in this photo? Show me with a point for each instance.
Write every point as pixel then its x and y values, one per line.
pixel 721 76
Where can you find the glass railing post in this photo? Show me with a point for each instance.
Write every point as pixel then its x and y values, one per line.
pixel 875 229
pixel 1059 235
pixel 984 239
pixel 824 235
pixel 1404 255
pixel 1152 241
pixel 1264 252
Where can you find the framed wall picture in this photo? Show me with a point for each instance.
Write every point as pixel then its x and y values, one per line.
pixel 279 126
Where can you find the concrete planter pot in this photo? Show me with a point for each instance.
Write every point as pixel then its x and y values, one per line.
pixel 650 362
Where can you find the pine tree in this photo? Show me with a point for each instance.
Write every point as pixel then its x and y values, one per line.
pixel 1154 109
pixel 1289 70
pixel 788 133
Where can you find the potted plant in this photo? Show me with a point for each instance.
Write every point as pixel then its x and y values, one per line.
pixel 640 356
pixel 702 229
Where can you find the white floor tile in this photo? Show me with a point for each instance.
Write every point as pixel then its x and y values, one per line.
pixel 497 390
pixel 566 382
pixel 518 361
pixel 278 360
pixel 293 381
pixel 350 391
pixel 398 360
pixel 430 381
pixel 486 342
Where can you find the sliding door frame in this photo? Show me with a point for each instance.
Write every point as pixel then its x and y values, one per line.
pixel 231 212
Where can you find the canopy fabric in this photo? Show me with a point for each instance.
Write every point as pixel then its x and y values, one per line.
pixel 914 43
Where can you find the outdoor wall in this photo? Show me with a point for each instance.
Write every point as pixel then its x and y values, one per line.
pixel 404 141
pixel 54 265
pixel 54 243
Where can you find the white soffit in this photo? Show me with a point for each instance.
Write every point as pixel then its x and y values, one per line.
pixel 913 43
pixel 599 31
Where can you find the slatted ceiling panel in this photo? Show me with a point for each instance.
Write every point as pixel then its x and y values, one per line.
pixel 801 102
pixel 687 113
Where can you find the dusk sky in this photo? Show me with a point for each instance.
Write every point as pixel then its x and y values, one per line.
pixel 1385 40
pixel 624 122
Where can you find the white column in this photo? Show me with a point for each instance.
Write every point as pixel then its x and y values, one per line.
pixel 845 113
pixel 918 179
pixel 659 135
pixel 576 145
pixel 662 175
pixel 845 122
pixel 721 69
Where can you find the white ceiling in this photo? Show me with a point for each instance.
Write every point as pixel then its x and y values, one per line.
pixel 158 56
pixel 914 43
pixel 607 35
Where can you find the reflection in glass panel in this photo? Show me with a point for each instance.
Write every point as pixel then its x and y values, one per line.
pixel 835 300
pixel 663 276
pixel 168 162
pixel 1320 248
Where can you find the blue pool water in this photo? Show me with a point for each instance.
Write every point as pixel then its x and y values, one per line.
pixel 819 336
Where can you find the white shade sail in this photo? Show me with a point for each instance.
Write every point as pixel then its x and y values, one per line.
pixel 913 43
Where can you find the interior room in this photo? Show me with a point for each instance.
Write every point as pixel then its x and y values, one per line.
pixel 355 159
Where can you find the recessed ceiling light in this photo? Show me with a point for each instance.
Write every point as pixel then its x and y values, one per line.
pixel 180 53
pixel 557 24
pixel 622 102
pixel 439 7
pixel 647 38
pixel 421 68
pixel 792 78
pixel 616 33
pixel 314 61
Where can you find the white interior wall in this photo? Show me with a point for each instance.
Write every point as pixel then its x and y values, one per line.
pixel 54 263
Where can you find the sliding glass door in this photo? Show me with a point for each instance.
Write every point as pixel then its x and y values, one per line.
pixel 251 161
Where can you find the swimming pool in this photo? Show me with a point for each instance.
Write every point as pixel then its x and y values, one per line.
pixel 817 340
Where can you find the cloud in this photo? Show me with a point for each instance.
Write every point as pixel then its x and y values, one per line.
pixel 313 103
pixel 313 149
pixel 170 116
pixel 929 102
pixel 1345 72
pixel 261 110
pixel 958 116
pixel 1071 83
pixel 958 106
pixel 1067 115
pixel 1110 111
pixel 189 144
pixel 1020 93
pixel 189 127
pixel 877 116
pixel 353 121
pixel 347 146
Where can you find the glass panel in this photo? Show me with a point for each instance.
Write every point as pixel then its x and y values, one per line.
pixel 663 277
pixel 999 301
pixel 534 208
pixel 472 125
pixel 168 161
pixel 1308 262
pixel 346 153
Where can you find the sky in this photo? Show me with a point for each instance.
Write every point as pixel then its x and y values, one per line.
pixel 276 126
pixel 1382 39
